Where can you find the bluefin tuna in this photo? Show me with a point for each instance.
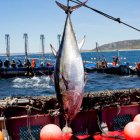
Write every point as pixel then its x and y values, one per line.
pixel 69 71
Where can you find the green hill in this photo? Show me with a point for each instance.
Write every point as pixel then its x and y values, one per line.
pixel 120 45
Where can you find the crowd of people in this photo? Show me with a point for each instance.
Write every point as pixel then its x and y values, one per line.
pixel 14 64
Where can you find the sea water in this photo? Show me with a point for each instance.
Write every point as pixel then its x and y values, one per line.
pixel 43 85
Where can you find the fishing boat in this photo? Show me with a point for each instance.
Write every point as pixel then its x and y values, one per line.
pixel 25 71
pixel 115 67
pixel 103 115
pixel 45 68
pixel 122 70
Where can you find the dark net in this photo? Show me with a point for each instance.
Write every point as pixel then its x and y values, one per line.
pixel 30 134
pixel 121 121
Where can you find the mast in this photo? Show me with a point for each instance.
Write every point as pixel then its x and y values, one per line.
pixel 42 38
pixel 25 36
pixel 97 51
pixel 7 39
pixel 59 37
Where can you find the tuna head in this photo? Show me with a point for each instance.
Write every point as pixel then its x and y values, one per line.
pixel 69 71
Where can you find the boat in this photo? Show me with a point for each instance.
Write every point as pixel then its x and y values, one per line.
pixel 116 67
pixel 122 70
pixel 25 71
pixel 98 65
pixel 103 115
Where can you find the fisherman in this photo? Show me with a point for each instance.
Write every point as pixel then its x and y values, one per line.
pixel 27 63
pixel 1 63
pixel 48 64
pixel 115 60
pixel 13 63
pixel 42 64
pixel 104 62
pixel 33 65
pixel 6 63
pixel 20 63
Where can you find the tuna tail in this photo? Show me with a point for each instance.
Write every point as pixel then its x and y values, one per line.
pixel 68 9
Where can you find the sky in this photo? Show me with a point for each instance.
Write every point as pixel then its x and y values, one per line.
pixel 36 17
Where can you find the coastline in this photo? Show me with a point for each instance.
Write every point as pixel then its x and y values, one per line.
pixel 110 50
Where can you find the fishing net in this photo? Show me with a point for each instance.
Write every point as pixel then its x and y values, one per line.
pixel 121 121
pixel 31 133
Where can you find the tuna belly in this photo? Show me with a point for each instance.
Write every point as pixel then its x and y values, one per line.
pixel 72 101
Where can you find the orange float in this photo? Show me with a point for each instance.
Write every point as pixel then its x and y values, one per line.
pixel 132 131
pixel 137 118
pixel 51 132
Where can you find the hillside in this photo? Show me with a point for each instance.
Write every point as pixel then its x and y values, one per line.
pixel 121 45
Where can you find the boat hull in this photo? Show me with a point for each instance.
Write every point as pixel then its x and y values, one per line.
pixel 26 117
pixel 23 71
pixel 118 70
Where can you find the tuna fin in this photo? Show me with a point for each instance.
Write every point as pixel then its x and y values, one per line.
pixel 65 81
pixel 53 50
pixel 70 9
pixel 80 45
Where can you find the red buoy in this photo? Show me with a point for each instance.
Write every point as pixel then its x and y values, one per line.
pixel 137 118
pixel 132 131
pixel 51 132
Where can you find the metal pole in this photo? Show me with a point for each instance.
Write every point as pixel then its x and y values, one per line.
pixel 25 36
pixel 7 39
pixel 59 37
pixel 42 43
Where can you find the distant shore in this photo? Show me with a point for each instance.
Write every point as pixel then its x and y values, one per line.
pixel 111 50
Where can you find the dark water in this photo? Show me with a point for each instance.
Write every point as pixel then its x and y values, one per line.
pixel 96 81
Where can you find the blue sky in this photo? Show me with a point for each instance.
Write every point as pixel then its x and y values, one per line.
pixel 36 17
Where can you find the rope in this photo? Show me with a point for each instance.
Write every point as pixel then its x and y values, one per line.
pixel 28 122
pixel 106 15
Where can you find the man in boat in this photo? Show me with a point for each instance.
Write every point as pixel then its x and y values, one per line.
pixel 19 64
pixel 6 63
pixel 13 63
pixel 42 64
pixel 48 64
pixel 27 63
pixel 33 65
pixel 115 60
pixel 1 63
